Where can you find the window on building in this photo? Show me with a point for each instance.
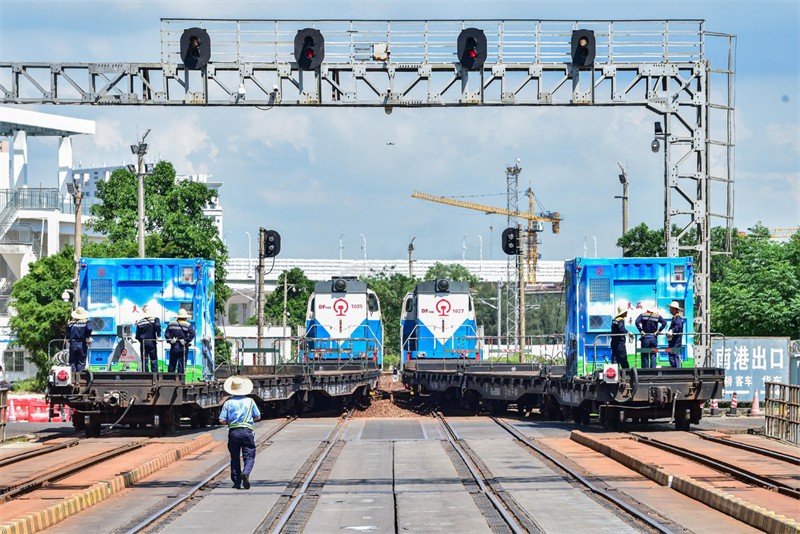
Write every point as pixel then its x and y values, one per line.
pixel 14 361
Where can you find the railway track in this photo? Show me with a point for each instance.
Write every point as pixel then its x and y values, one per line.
pixel 747 476
pixel 601 492
pixel 8 460
pixel 15 489
pixel 161 512
pixel 789 458
pixel 486 488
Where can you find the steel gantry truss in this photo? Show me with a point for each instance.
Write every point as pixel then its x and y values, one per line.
pixel 662 65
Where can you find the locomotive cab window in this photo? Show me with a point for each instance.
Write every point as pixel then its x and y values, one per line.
pixel 372 302
pixel 409 305
pixel 470 304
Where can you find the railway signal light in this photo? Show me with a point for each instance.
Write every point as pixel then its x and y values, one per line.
pixel 309 48
pixel 583 48
pixel 510 241
pixel 472 48
pixel 272 243
pixel 195 48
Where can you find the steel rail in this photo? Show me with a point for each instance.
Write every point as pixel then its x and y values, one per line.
pixel 655 525
pixel 731 470
pixel 32 454
pixel 751 448
pixel 68 470
pixel 310 476
pixel 189 494
pixel 450 433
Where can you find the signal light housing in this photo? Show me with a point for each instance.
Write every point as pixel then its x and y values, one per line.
pixel 272 243
pixel 195 48
pixel 510 241
pixel 309 48
pixel 472 48
pixel 583 48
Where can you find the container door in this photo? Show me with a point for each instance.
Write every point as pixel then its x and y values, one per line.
pixel 638 296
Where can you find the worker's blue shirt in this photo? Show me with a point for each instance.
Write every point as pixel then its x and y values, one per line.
pixel 650 323
pixel 238 412
pixel 618 340
pixel 78 331
pixel 148 330
pixel 177 331
pixel 677 329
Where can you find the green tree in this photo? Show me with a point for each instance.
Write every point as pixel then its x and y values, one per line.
pixel 454 272
pixel 174 222
pixel 39 313
pixel 297 295
pixel 758 294
pixel 391 288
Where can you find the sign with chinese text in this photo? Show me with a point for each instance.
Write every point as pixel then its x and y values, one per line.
pixel 749 362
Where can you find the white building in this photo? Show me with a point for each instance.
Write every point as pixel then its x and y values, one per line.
pixel 34 221
pixel 241 274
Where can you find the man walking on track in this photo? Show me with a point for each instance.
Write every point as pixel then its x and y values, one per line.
pixel 239 413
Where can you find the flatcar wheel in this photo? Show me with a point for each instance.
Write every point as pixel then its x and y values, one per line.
pixel 93 426
pixel 158 425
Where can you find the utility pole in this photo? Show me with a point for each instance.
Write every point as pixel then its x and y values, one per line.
pixel 623 179
pixel 464 248
pixel 77 196
pixel 260 288
pixel 365 253
pixel 285 292
pixel 140 149
pixel 410 261
pixel 341 247
pixel 521 266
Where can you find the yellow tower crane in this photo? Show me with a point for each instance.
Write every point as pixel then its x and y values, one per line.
pixel 535 223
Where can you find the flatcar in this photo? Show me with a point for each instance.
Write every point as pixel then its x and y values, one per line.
pixel 114 388
pixel 344 322
pixel 438 322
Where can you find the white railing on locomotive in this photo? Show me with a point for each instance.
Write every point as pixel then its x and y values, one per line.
pixel 370 351
pixel 293 348
pixel 369 334
pixel 458 345
pixel 708 360
pixel 551 347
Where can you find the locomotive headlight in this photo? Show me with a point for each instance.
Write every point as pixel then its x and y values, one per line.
pixel 443 285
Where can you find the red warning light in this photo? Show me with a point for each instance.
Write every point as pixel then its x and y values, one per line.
pixel 611 373
pixel 309 53
pixel 472 54
pixel 62 376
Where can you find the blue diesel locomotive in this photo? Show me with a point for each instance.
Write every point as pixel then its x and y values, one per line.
pixel 438 321
pixel 343 322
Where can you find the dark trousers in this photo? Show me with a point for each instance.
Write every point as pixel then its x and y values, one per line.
pixel 620 357
pixel 241 441
pixel 77 357
pixel 649 359
pixel 177 359
pixel 150 357
pixel 675 357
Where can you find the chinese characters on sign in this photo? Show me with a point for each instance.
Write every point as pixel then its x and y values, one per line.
pixel 749 362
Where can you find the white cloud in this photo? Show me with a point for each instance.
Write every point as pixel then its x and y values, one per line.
pixel 182 139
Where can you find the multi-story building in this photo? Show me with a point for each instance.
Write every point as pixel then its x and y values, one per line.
pixel 37 215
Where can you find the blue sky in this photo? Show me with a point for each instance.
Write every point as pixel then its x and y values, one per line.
pixel 313 174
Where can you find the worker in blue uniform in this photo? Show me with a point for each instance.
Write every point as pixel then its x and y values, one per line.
pixel 619 351
pixel 239 413
pixel 180 334
pixel 675 334
pixel 148 330
pixel 650 325
pixel 79 332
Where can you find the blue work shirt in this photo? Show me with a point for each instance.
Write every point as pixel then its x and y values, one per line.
pixel 677 329
pixel 239 411
pixel 650 323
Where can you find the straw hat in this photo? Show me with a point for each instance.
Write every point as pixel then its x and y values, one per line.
pixel 183 314
pixel 238 385
pixel 622 310
pixel 674 304
pixel 80 313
